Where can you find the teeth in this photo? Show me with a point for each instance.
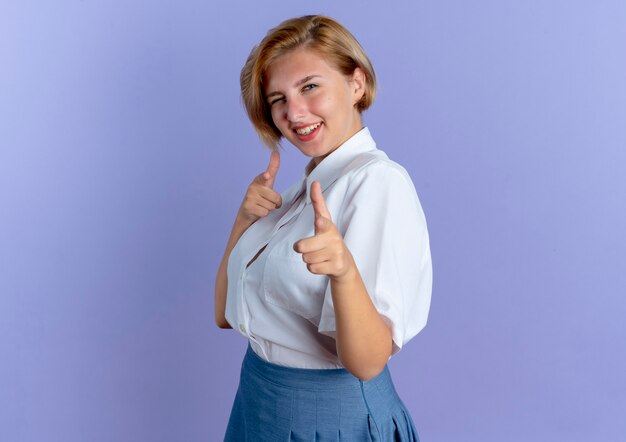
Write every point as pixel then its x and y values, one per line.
pixel 307 130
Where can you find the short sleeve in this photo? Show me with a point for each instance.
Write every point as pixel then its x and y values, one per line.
pixel 383 226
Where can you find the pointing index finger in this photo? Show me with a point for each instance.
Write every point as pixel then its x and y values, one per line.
pixel 317 198
pixel 273 166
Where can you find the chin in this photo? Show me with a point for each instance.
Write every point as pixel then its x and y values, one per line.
pixel 309 151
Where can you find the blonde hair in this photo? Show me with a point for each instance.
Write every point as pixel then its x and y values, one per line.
pixel 320 33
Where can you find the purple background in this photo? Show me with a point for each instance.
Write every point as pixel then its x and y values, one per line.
pixel 125 151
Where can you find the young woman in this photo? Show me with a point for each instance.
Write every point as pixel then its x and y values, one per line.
pixel 330 279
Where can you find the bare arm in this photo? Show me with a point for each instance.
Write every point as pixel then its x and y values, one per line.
pixel 363 340
pixel 259 201
pixel 221 280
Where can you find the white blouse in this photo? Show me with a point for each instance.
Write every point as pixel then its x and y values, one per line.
pixel 287 312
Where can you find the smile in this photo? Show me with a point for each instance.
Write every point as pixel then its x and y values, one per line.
pixel 307 130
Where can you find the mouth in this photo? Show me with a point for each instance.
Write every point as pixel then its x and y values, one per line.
pixel 307 133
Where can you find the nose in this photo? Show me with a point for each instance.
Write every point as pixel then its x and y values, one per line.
pixel 295 110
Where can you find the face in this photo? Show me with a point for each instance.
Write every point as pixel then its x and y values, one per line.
pixel 312 103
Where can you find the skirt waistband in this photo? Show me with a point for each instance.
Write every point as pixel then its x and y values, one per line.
pixel 309 379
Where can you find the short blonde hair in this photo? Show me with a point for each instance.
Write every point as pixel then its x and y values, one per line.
pixel 320 33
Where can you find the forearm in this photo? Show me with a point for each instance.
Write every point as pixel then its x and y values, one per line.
pixel 363 339
pixel 221 279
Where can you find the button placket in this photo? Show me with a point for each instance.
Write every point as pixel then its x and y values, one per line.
pixel 289 216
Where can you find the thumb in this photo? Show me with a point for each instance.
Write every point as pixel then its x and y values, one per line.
pixel 272 168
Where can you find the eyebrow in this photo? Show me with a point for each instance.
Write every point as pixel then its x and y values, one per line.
pixel 296 84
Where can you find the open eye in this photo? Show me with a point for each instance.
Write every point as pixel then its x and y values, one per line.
pixel 308 87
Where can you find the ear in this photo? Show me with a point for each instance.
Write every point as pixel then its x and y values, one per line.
pixel 357 84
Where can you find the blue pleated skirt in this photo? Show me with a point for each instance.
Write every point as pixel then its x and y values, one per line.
pixel 276 403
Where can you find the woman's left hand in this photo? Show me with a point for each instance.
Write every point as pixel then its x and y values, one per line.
pixel 325 253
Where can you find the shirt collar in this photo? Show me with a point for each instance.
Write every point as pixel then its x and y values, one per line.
pixel 329 169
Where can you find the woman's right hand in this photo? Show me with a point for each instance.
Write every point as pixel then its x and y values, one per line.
pixel 260 198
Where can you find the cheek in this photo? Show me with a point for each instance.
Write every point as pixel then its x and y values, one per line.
pixel 276 113
pixel 323 103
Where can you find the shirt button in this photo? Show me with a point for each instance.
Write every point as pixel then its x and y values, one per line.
pixel 242 328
